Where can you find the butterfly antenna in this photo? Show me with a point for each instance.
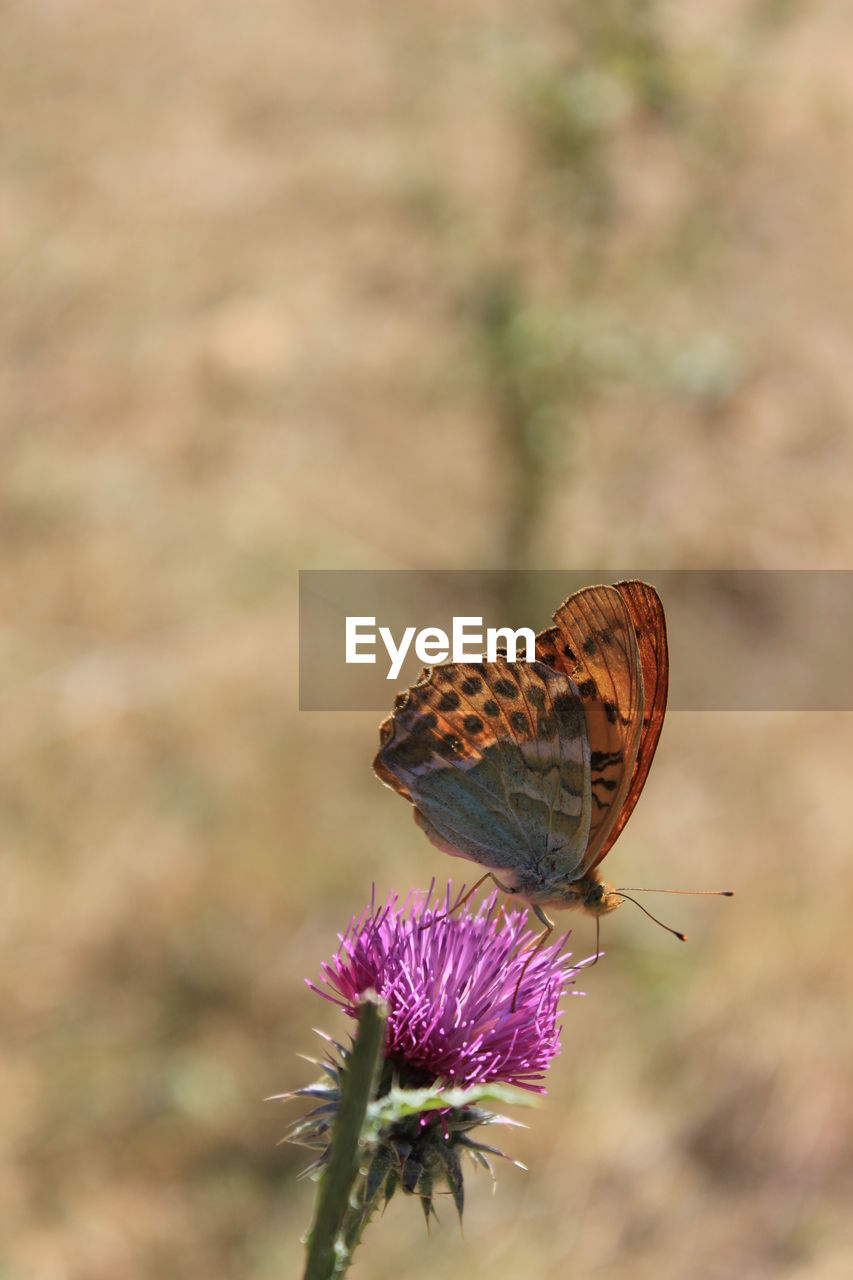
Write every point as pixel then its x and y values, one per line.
pixel 678 934
pixel 716 893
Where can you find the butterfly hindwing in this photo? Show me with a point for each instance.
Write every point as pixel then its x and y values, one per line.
pixel 495 758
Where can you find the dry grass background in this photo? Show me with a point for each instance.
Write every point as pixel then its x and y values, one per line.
pixel 239 245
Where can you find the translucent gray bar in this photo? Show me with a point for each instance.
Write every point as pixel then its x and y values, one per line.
pixel 740 640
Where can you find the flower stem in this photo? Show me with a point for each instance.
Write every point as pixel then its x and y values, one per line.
pixel 329 1247
pixel 359 1213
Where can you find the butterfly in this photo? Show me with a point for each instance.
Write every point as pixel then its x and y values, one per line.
pixel 533 769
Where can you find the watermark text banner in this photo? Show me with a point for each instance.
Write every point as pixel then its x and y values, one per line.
pixel 759 640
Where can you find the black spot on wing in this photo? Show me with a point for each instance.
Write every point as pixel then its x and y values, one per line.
pixel 408 754
pixel 565 710
pixel 546 725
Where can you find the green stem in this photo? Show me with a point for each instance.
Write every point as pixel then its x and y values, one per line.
pixel 358 1215
pixel 328 1253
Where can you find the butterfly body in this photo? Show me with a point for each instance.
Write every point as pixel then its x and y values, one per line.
pixel 532 769
pixel 589 894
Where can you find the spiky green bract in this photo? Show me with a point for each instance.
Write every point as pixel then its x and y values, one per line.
pixel 413 1139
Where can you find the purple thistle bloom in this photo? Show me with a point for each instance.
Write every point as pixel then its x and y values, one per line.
pixel 466 1004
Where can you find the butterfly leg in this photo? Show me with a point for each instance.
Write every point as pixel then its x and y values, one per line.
pixel 597 947
pixel 533 947
pixel 457 906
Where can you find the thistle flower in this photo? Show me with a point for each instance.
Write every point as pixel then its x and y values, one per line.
pixel 467 1004
pixel 472 1017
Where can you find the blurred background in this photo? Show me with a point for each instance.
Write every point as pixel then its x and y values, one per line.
pixel 454 285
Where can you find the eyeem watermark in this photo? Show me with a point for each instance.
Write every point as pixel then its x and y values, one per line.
pixel 739 639
pixel 432 644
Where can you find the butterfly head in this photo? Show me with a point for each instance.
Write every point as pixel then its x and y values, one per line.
pixel 588 894
pixel 599 898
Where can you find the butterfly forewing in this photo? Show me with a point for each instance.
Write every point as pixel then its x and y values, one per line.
pixel 594 643
pixel 496 761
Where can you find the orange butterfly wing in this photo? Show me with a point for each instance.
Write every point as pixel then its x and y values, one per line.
pixel 594 642
pixel 646 610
